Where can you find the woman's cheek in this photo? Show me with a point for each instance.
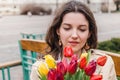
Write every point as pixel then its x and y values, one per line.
pixel 64 40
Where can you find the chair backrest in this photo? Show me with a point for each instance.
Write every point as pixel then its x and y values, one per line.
pixel 116 59
pixel 28 50
pixel 33 36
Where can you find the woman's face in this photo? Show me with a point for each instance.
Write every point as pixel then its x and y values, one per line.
pixel 74 31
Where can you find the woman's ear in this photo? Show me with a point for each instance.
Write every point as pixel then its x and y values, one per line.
pixel 58 32
pixel 89 34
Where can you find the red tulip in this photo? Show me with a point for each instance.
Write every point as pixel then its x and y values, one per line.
pixel 101 60
pixel 61 68
pixel 90 68
pixel 59 76
pixel 72 66
pixel 51 74
pixel 68 52
pixel 83 62
pixel 96 77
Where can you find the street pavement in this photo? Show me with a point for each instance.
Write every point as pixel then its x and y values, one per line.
pixel 11 28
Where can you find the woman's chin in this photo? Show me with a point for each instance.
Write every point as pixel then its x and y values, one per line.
pixel 76 50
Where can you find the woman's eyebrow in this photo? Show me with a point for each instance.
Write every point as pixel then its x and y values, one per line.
pixel 81 25
pixel 67 24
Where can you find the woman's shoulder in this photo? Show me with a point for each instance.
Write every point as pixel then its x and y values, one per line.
pixel 34 71
pixel 97 53
pixel 110 73
pixel 36 64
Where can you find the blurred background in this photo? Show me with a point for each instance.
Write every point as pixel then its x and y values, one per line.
pixel 42 7
pixel 35 16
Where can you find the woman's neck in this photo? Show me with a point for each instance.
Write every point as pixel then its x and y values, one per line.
pixel 78 53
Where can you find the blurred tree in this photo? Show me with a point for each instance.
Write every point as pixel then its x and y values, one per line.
pixel 112 45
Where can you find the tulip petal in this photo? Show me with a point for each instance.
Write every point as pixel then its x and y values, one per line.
pixel 101 60
pixel 68 52
pixel 90 68
pixel 50 61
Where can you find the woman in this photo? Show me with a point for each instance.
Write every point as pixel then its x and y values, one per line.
pixel 74 25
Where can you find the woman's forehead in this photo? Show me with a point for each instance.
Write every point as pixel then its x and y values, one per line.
pixel 74 18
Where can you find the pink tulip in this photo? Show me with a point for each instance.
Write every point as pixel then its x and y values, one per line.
pixel 74 57
pixel 59 76
pixel 90 68
pixel 64 61
pixel 61 68
pixel 72 66
pixel 51 74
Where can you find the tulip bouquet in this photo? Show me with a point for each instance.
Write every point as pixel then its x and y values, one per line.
pixel 70 67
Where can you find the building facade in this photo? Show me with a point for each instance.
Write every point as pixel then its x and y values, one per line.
pixel 12 7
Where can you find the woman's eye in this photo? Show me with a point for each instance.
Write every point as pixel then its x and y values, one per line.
pixel 66 28
pixel 82 30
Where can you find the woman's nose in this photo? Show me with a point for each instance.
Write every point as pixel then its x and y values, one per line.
pixel 74 35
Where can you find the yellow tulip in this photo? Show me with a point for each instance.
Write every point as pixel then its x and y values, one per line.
pixel 84 55
pixel 50 61
pixel 43 69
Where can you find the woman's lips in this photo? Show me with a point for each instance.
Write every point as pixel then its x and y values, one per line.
pixel 74 43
